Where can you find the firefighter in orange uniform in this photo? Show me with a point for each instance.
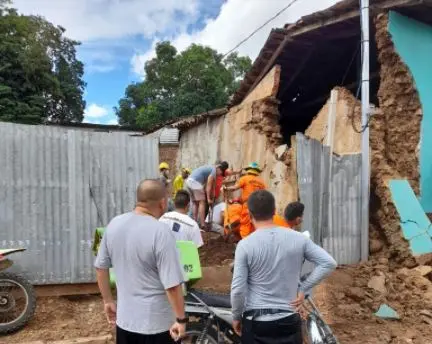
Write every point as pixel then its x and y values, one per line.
pixel 248 184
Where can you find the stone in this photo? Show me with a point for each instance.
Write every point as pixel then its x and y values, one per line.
pixel 423 270
pixel 426 313
pixel 383 261
pixel 378 283
pixel 280 151
pixel 375 246
pixel 355 293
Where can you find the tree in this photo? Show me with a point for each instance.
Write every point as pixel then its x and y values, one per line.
pixel 40 77
pixel 181 84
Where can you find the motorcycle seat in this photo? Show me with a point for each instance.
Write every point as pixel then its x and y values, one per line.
pixel 213 300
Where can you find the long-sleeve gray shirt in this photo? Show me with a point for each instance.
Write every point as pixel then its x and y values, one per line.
pixel 267 269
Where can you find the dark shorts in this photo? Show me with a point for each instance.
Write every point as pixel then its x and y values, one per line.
pixel 126 337
pixel 282 331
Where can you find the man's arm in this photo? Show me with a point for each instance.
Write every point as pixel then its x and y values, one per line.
pixel 239 283
pixel 325 264
pixel 170 271
pixel 103 264
pixel 176 300
pixel 209 188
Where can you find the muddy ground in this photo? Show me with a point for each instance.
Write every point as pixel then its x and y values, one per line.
pixel 347 301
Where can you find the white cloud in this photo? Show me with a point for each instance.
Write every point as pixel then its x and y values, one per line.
pixel 95 111
pixel 236 20
pixel 87 20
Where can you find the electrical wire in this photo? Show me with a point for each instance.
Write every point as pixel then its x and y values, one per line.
pixel 260 28
pixel 363 128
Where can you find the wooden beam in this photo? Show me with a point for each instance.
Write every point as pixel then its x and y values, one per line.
pixel 67 289
pixel 297 32
pixel 324 98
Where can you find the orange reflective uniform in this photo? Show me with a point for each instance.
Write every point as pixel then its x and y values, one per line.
pixel 248 184
pixel 280 221
pixel 246 226
pixel 232 216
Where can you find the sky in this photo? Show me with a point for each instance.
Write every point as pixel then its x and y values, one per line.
pixel 118 36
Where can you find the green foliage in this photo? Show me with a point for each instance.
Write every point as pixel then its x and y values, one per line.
pixel 181 84
pixel 40 77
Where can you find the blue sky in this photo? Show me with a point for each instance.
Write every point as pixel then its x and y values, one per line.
pixel 118 36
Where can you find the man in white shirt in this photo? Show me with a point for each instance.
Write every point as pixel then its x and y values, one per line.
pixel 217 220
pixel 183 227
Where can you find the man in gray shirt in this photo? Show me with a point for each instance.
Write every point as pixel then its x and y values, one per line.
pixel 265 291
pixel 143 254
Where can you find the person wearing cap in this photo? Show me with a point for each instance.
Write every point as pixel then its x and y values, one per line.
pixel 201 184
pixel 248 184
pixel 164 173
pixel 178 183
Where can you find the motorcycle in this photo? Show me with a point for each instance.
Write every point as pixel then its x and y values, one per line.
pixel 17 296
pixel 213 318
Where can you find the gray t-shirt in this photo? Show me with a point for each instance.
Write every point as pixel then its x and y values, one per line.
pixel 202 173
pixel 267 269
pixel 145 259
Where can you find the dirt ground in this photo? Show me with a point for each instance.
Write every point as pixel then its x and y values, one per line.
pixel 347 300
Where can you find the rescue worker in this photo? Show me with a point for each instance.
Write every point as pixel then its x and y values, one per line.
pixel 178 183
pixel 248 184
pixel 164 169
pixel 231 217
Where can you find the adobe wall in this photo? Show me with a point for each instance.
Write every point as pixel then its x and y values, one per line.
pixel 346 138
pixel 199 145
pixel 250 132
pixel 394 141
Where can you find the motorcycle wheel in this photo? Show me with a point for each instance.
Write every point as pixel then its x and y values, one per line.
pixel 194 331
pixel 11 319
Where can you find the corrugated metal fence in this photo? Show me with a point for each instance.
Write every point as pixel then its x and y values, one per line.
pixel 57 185
pixel 331 193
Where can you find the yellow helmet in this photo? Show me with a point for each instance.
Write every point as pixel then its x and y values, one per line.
pixel 163 166
pixel 187 170
pixel 253 168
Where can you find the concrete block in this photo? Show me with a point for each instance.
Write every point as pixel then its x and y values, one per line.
pixel 414 222
pixel 387 312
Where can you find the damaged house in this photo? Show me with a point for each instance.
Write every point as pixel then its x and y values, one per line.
pixel 297 113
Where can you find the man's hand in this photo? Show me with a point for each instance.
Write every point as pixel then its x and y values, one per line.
pixel 237 327
pixel 110 309
pixel 177 331
pixel 298 302
pixel 210 201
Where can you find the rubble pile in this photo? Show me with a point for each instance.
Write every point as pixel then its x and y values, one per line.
pixel 394 137
pixel 353 295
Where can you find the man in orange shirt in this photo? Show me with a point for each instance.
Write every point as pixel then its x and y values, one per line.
pixel 248 184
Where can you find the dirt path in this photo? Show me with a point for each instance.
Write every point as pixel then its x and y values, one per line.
pixel 347 301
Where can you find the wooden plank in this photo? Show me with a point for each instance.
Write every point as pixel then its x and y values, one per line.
pixel 319 24
pixel 67 289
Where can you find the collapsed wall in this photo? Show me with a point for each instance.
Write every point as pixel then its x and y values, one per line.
pixel 251 132
pixel 394 140
pixel 347 123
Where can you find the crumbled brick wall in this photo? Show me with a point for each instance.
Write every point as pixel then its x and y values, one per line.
pixel 168 153
pixel 394 137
